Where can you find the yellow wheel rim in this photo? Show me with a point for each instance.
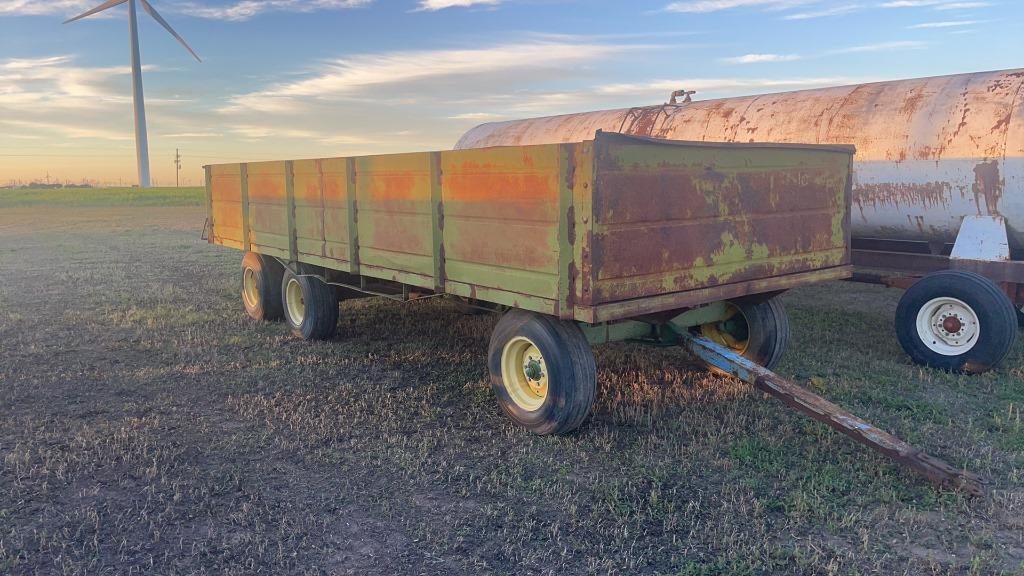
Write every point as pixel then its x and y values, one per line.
pixel 294 301
pixel 524 373
pixel 731 332
pixel 250 292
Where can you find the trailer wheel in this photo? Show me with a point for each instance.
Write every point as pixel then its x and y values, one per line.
pixel 956 321
pixel 310 306
pixel 1020 316
pixel 756 330
pixel 542 372
pixel 261 286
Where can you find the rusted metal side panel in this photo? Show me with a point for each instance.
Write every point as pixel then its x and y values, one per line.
pixel 672 217
pixel 501 219
pixel 268 214
pixel 395 226
pixel 225 190
pixel 582 225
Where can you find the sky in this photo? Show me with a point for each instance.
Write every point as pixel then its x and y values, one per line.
pixel 314 78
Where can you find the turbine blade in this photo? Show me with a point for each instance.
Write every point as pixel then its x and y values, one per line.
pixel 156 16
pixel 100 8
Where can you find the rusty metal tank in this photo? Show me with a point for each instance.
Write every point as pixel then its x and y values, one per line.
pixel 930 151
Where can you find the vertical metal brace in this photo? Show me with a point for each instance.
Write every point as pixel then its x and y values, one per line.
pixel 243 178
pixel 437 219
pixel 289 187
pixel 353 216
pixel 566 229
pixel 209 200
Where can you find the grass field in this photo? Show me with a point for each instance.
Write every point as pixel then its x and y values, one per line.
pixel 94 197
pixel 147 426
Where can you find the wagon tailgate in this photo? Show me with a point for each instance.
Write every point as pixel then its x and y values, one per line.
pixel 681 216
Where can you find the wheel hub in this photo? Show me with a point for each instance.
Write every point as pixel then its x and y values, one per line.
pixel 524 373
pixel 250 291
pixel 948 326
pixel 295 301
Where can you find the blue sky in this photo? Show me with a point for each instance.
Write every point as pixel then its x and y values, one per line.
pixel 302 78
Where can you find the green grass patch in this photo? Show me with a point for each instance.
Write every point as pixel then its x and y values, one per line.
pixel 87 197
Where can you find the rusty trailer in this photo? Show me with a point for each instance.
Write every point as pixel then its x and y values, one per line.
pixel 614 238
pixel 937 189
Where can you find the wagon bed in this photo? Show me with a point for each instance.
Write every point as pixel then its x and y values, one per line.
pixel 595 231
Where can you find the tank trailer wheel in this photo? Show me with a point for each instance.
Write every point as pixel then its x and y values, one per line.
pixel 542 372
pixel 756 330
pixel 261 286
pixel 310 306
pixel 956 321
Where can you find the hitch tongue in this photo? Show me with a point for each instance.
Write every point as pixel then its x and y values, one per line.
pixel 797 397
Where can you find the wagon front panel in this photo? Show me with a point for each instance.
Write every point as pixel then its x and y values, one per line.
pixel 675 217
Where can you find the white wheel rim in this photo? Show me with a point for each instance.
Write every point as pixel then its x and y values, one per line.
pixel 295 302
pixel 250 292
pixel 948 326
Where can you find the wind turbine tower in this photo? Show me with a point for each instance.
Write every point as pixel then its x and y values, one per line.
pixel 138 104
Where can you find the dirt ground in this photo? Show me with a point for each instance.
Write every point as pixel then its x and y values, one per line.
pixel 147 426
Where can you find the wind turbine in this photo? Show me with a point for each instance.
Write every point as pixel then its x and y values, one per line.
pixel 141 140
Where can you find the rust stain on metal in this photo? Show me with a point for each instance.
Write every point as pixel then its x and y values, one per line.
pixel 928 194
pixel 988 185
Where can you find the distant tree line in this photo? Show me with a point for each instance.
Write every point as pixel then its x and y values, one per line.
pixel 44 186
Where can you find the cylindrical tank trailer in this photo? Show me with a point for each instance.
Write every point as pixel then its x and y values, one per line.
pixel 938 188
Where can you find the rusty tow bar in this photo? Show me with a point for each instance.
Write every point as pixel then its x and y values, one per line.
pixel 935 470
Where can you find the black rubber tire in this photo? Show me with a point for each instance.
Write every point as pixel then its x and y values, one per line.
pixel 767 328
pixel 320 319
pixel 1020 316
pixel 572 374
pixel 267 273
pixel 997 319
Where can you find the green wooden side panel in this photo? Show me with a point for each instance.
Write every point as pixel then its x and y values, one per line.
pixel 395 228
pixel 335 177
pixel 226 204
pixel 268 213
pixel 675 216
pixel 501 219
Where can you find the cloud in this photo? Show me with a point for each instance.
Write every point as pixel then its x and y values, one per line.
pixel 936 4
pixel 246 9
pixel 881 47
pixel 478 116
pixel 834 11
pixel 355 75
pixel 877 47
pixel 758 58
pixel 947 24
pixel 37 8
pixel 435 5
pixel 722 86
pixel 704 6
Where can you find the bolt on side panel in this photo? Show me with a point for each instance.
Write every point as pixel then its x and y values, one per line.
pixel 500 219
pixel 671 217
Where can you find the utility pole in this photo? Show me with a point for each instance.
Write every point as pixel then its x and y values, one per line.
pixel 177 167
